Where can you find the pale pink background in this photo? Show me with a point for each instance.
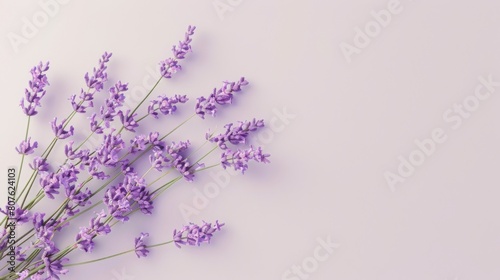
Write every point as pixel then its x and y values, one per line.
pixel 352 122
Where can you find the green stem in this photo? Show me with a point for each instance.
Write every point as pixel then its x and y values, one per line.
pixel 177 127
pixel 118 254
pixel 22 157
pixel 142 101
pixel 101 259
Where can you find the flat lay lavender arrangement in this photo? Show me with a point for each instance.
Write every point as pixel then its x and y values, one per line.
pixel 104 181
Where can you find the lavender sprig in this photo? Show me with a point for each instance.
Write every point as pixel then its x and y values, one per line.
pixel 26 148
pixel 95 83
pixel 187 235
pixel 111 107
pixel 140 247
pixel 235 133
pixel 222 96
pixel 170 66
pixel 128 120
pixel 59 129
pixel 36 89
pixel 85 236
pixel 194 235
pixel 165 105
pixel 239 159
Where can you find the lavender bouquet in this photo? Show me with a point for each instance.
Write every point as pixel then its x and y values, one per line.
pixel 29 243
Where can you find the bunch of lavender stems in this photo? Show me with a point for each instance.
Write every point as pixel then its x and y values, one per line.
pixel 123 192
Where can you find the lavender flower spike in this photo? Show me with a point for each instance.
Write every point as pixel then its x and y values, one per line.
pixel 166 105
pixel 26 148
pixel 240 158
pixel 184 47
pixel 119 199
pixel 21 216
pixel 100 76
pixel 53 268
pixel 180 161
pixel 115 100
pixel 128 121
pixel 36 90
pixel 140 247
pixel 86 235
pixel 59 130
pixel 39 164
pixel 221 96
pixel 50 184
pixel 23 275
pixel 170 66
pixel 236 134
pixel 95 83
pixel 94 125
pixel 195 235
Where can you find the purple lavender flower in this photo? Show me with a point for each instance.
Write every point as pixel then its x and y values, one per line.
pixel 19 254
pixel 235 134
pixel 138 144
pixel 145 201
pixel 117 202
pixel 239 159
pixel 44 233
pixel 59 130
pixel 221 96
pixel 57 225
pixel 184 47
pixel 79 197
pixel 70 152
pixel 80 106
pixel 68 175
pixel 36 90
pixel 85 236
pixel 165 105
pixel 170 66
pixel 21 216
pixel 3 238
pixel 128 121
pixel 180 161
pixel 173 152
pixel 159 161
pixel 95 172
pixel 26 148
pixel 193 234
pixel 98 226
pixel 100 76
pixel 115 100
pixel 140 247
pixel 50 184
pixel 127 168
pixel 116 93
pixel 119 199
pixel 108 154
pixel 137 191
pixel 94 125
pixel 69 210
pixel 155 141
pixel 23 275
pixel 39 164
pixel 84 244
pixel 95 83
pixel 54 268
